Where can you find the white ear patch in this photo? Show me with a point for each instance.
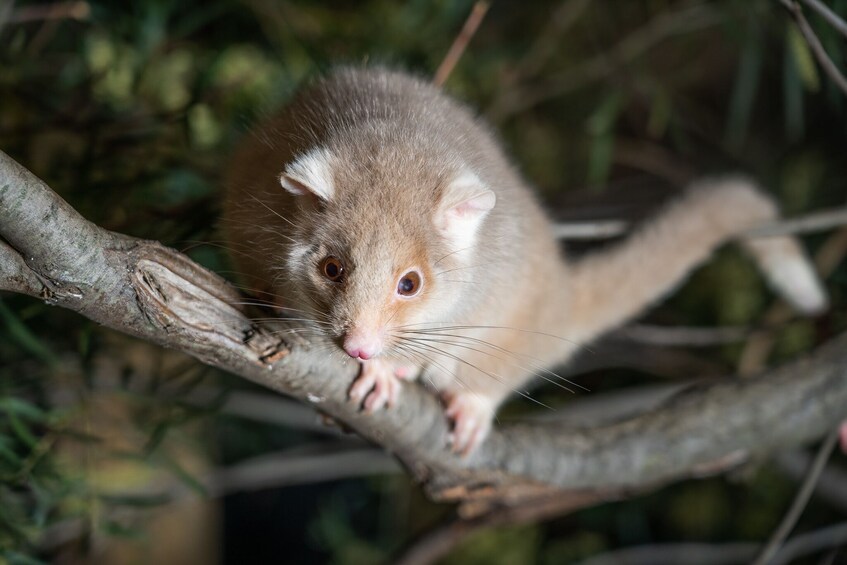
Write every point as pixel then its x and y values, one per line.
pixel 310 173
pixel 465 204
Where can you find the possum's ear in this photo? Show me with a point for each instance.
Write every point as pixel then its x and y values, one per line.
pixel 310 174
pixel 464 205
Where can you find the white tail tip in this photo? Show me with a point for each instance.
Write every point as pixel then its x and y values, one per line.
pixel 795 279
pixel 790 273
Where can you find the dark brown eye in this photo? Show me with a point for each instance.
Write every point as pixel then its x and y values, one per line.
pixel 332 268
pixel 410 284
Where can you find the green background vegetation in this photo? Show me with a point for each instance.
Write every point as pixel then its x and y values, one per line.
pixel 130 111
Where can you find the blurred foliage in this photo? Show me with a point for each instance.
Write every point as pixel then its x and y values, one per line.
pixel 129 109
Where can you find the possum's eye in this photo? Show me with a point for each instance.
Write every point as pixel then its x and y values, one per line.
pixel 409 284
pixel 332 268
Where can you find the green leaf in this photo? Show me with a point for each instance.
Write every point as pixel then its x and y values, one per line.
pixel 203 126
pixel 10 457
pixel 21 430
pixel 600 158
pixel 157 436
pixel 661 111
pixel 744 91
pixel 28 341
pixel 177 188
pixel 15 558
pixel 792 95
pixel 115 529
pixel 188 385
pixel 136 500
pixel 803 59
pixel 22 408
pixel 601 128
pixel 603 119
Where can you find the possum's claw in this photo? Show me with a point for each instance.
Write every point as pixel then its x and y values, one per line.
pixel 471 418
pixel 376 387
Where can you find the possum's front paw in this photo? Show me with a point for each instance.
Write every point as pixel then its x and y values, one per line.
pixel 471 417
pixel 377 385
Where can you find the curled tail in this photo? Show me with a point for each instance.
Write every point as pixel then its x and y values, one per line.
pixel 612 286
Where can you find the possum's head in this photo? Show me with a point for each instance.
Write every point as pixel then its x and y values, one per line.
pixel 383 241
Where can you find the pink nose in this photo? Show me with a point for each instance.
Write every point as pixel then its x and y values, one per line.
pixel 362 345
pixel 358 353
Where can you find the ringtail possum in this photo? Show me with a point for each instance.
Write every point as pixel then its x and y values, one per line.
pixel 387 215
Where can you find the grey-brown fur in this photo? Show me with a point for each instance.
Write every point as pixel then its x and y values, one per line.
pixel 396 142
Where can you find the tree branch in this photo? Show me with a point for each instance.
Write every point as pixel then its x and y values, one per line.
pixel 826 13
pixel 831 487
pixel 14 274
pixel 815 221
pixel 801 499
pixel 78 10
pixel 736 553
pixel 144 289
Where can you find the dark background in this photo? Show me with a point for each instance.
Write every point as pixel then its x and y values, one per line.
pixel 129 110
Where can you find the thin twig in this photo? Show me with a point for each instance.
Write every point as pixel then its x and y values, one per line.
pixel 6 11
pixel 440 540
pixel 654 159
pixel 722 554
pixel 816 221
pixel 831 487
pixel 817 48
pixel 510 101
pixel 461 42
pixel 813 222
pixel 826 13
pixel 800 501
pixel 544 46
pixel 57 11
pixel 676 336
pixel 600 229
pixel 284 469
pixel 275 470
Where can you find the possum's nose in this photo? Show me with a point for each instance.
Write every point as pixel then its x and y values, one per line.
pixel 362 344
pixel 358 353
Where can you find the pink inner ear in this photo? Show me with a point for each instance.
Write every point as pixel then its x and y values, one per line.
pixel 293 186
pixel 476 205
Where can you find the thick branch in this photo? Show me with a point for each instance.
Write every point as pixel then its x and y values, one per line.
pixel 14 274
pixel 146 290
